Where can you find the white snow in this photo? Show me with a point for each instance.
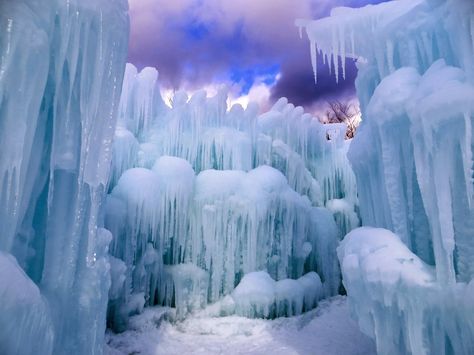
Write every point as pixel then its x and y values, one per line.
pixel 327 330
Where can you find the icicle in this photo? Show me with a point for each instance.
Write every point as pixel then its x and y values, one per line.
pixel 472 31
pixel 314 60
pixel 335 54
pixel 330 61
pixel 468 158
pixel 428 45
pixel 352 43
pixel 342 48
pixel 391 67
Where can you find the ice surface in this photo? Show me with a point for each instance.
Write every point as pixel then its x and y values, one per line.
pixel 61 68
pixel 23 312
pixel 412 158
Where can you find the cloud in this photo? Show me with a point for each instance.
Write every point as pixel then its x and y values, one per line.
pixel 259 93
pixel 196 43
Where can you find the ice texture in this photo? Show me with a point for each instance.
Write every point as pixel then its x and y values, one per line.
pixel 185 239
pixel 202 194
pixel 61 69
pixel 398 299
pixel 258 295
pixel 413 161
pixel 22 310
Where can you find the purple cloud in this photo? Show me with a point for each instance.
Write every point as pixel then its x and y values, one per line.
pixel 195 43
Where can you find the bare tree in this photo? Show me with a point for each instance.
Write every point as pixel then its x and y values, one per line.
pixel 343 112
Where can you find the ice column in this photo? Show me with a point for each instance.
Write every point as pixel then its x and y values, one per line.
pixel 61 67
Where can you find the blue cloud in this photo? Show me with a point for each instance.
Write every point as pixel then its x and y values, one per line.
pixel 247 76
pixel 196 31
pixel 195 43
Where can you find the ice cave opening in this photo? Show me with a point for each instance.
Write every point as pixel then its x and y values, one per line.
pixel 129 225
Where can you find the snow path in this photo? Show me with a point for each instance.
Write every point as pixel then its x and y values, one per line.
pixel 327 330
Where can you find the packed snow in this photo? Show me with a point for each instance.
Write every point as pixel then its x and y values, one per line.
pixel 327 330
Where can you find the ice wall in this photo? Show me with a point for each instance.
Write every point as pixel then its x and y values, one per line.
pixel 412 156
pixel 202 195
pixel 61 70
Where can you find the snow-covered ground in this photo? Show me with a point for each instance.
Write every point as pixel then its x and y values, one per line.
pixel 327 330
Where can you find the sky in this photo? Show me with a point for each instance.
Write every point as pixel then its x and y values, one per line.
pixel 251 46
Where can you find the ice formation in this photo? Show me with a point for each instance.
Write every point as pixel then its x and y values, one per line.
pixel 173 206
pixel 201 195
pixel 413 161
pixel 61 69
pixel 258 294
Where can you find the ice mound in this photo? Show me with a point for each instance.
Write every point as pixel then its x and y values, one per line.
pixel 258 295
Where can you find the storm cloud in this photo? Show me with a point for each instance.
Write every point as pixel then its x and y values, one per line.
pixel 198 43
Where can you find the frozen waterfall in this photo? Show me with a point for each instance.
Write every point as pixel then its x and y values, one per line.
pixel 202 196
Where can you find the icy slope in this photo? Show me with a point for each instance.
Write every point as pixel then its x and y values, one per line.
pixel 413 162
pixel 201 195
pixel 61 68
